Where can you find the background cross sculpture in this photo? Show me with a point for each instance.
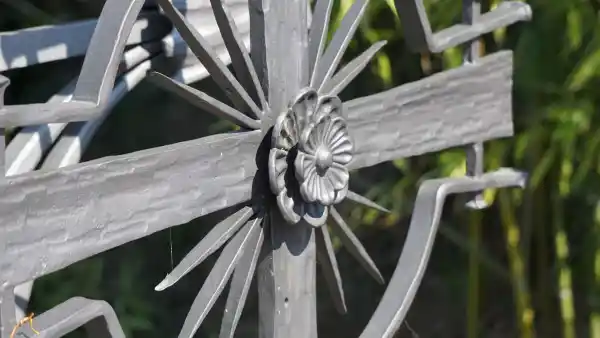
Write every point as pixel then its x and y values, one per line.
pixel 283 172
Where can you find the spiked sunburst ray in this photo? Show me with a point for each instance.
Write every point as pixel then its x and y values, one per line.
pixel 242 234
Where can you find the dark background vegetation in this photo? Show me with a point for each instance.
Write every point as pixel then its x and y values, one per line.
pixel 529 266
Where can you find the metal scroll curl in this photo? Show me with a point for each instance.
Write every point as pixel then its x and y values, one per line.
pixel 405 281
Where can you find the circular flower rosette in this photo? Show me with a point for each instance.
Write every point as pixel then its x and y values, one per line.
pixel 308 157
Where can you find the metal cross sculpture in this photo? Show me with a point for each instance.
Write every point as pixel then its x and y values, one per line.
pixel 284 172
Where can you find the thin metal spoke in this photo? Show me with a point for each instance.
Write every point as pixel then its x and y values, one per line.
pixel 204 101
pixel 218 277
pixel 207 56
pixel 342 78
pixel 337 47
pixel 354 197
pixel 240 58
pixel 329 267
pixel 317 34
pixel 240 285
pixel 208 245
pixel 353 245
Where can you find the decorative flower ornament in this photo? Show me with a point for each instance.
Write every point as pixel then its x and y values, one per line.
pixel 308 157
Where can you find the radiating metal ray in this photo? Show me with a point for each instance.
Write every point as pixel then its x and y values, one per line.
pixel 393 307
pixel 217 69
pixel 204 101
pixel 208 245
pixel 353 245
pixel 343 77
pixel 240 284
pixel 337 47
pixel 240 58
pixel 218 277
pixel 329 267
pixel 365 201
pixel 317 34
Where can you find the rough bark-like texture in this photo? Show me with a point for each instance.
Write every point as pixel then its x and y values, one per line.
pixel 50 220
pixel 461 106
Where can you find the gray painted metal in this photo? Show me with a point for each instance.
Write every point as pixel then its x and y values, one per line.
pixel 61 215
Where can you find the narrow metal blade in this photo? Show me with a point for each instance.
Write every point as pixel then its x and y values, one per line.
pixel 240 285
pixel 240 58
pixel 207 56
pixel 353 245
pixel 342 78
pixel 204 101
pixel 329 267
pixel 337 47
pixel 317 35
pixel 218 277
pixel 365 201
pixel 208 245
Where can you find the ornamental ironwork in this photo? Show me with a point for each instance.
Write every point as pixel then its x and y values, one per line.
pixel 284 171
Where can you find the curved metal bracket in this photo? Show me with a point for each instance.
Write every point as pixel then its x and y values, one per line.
pixel 98 318
pixel 409 272
pixel 97 76
pixel 420 38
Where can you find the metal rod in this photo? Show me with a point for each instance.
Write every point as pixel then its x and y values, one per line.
pixel 471 52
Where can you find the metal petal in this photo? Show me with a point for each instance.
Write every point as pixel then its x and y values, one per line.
pixel 343 77
pixel 208 245
pixel 365 201
pixel 315 214
pixel 304 106
pixel 338 176
pixel 240 285
pixel 341 194
pixel 309 188
pixel 218 277
pixel 240 58
pixel 277 169
pixel 204 101
pixel 291 208
pixel 285 131
pixel 329 267
pixel 353 245
pixel 207 56
pixel 305 166
pixel 337 47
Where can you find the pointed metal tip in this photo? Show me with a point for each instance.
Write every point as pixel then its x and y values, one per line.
pixel 163 285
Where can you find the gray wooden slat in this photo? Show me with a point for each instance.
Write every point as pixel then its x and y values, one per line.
pixel 58 42
pixel 420 37
pixel 95 206
pixel 457 107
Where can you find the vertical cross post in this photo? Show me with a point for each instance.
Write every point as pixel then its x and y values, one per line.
pixel 475 152
pixel 7 296
pixel 286 275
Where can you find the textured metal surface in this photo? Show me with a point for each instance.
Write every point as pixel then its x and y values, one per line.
pixel 43 198
pixel 58 216
pixel 96 316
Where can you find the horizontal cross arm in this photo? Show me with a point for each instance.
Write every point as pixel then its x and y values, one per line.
pixel 49 220
pixel 465 105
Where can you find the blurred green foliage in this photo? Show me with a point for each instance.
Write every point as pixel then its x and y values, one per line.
pixel 529 266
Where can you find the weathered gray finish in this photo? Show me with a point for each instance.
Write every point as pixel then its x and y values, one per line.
pixel 420 37
pixel 29 199
pixel 58 216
